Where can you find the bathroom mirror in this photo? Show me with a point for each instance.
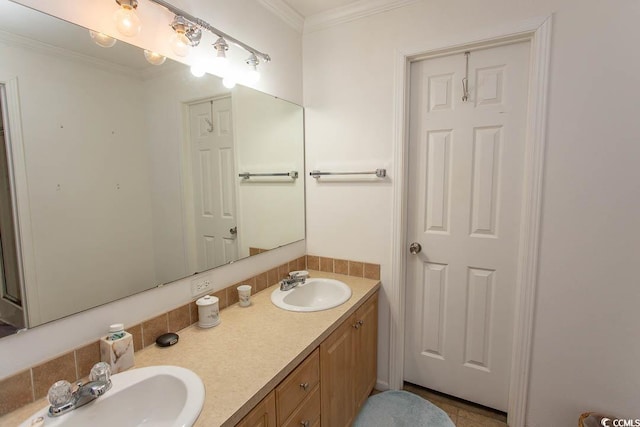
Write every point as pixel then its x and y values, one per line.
pixel 126 175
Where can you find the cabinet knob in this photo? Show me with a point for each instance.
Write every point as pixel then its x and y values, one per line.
pixel 304 386
pixel 304 423
pixel 360 322
pixel 356 325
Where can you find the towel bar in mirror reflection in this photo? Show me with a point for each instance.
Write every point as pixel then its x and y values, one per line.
pixel 379 173
pixel 247 175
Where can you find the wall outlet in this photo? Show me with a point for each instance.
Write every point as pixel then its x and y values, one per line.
pixel 200 286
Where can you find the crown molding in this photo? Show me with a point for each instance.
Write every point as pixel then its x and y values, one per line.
pixel 351 12
pixel 15 40
pixel 284 12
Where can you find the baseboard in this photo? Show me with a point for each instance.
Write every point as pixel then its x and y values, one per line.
pixel 382 385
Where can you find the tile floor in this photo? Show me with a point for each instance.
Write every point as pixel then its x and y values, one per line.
pixel 461 412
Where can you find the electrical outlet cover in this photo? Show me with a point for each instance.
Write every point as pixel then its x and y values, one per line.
pixel 201 285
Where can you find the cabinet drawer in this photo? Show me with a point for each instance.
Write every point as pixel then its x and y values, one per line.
pixel 297 386
pixel 307 415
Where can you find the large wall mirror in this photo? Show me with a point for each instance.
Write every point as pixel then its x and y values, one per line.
pixel 127 175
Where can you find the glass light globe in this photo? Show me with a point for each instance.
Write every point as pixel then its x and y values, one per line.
pixel 253 76
pixel 154 58
pixel 220 64
pixel 198 69
pixel 180 44
pixel 127 22
pixel 101 39
pixel 229 82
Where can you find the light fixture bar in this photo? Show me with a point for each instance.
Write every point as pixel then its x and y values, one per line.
pixel 211 28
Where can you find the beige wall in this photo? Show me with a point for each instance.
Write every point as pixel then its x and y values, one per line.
pixel 269 138
pixel 586 341
pixel 78 190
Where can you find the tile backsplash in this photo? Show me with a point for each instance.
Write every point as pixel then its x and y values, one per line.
pixel 343 266
pixel 32 384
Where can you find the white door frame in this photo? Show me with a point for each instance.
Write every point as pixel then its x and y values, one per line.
pixel 22 209
pixel 538 32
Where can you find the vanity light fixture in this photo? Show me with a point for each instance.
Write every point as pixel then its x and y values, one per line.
pixel 221 62
pixel 253 75
pixel 187 35
pixel 229 82
pixel 198 69
pixel 188 32
pixel 102 39
pixel 127 22
pixel 154 58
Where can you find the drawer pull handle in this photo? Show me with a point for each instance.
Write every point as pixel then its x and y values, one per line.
pixel 304 386
pixel 304 423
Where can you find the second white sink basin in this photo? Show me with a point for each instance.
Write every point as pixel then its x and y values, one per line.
pixel 159 396
pixel 315 295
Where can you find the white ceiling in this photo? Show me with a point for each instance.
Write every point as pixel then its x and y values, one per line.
pixel 311 7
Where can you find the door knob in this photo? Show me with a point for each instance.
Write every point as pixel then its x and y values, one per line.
pixel 415 248
pixel 234 230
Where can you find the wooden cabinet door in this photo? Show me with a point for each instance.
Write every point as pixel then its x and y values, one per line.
pixel 366 350
pixel 262 415
pixel 336 376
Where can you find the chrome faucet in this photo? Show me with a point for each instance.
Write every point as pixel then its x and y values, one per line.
pixel 292 281
pixel 63 400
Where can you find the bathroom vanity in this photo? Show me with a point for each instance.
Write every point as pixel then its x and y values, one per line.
pixel 315 368
pixel 330 385
pixel 263 365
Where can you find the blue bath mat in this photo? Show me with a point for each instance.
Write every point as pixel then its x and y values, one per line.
pixel 400 409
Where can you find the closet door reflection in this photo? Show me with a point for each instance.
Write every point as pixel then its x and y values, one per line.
pixel 212 176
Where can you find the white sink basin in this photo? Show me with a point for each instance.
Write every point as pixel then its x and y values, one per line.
pixel 315 295
pixel 159 396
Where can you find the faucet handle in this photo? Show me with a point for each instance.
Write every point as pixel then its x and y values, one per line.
pixel 60 393
pixel 101 371
pixel 299 274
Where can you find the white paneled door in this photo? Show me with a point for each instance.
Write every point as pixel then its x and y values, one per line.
pixel 212 166
pixel 465 196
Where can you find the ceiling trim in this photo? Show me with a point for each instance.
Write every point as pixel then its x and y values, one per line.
pixel 38 46
pixel 284 12
pixel 350 12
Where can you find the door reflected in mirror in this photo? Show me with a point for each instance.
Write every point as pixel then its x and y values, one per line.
pixel 126 175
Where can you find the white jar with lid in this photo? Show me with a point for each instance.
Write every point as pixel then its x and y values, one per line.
pixel 208 311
